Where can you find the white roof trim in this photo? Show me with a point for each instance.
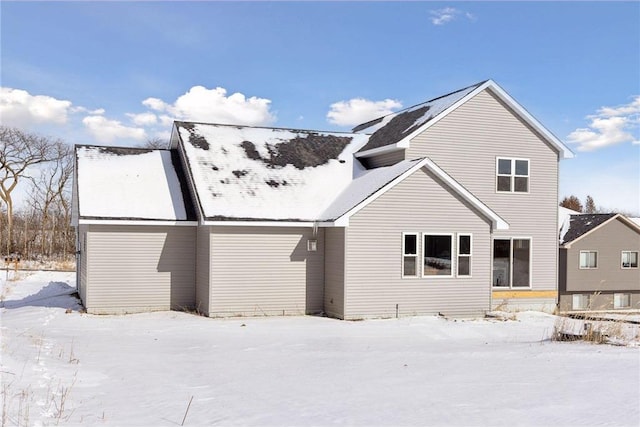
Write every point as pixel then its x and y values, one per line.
pixel 262 223
pixel 136 222
pixel 379 150
pixel 621 217
pixel 497 222
pixel 565 152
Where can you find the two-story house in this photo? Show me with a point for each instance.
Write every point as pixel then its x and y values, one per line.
pixel 449 206
pixel 599 265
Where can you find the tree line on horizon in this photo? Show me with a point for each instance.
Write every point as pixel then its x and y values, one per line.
pixel 40 228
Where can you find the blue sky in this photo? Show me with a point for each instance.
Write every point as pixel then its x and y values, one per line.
pixel 117 73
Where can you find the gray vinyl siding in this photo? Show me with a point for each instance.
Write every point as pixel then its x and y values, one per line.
pixel 81 268
pixel 139 268
pixel 259 271
pixel 203 269
pixel 466 144
pixel 374 283
pixel 609 240
pixel 385 159
pixel 334 254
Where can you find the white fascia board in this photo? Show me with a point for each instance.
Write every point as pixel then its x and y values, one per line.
pixel 497 222
pixel 262 223
pixel 622 218
pixel 136 222
pixel 565 152
pixel 343 220
pixel 380 150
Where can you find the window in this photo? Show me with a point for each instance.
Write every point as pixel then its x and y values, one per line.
pixel 629 259
pixel 621 300
pixel 464 255
pixel 512 263
pixel 409 255
pixel 437 255
pixel 588 259
pixel 580 302
pixel 512 175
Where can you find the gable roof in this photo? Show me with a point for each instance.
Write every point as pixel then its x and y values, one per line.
pixel 395 131
pixel 582 224
pixel 243 173
pixel 114 183
pixel 373 183
pixel 392 128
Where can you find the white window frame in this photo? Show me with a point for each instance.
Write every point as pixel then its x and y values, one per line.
pixel 513 175
pixel 585 306
pixel 616 297
pixel 424 251
pixel 469 255
pixel 622 260
pixel 580 260
pixel 511 239
pixel 416 255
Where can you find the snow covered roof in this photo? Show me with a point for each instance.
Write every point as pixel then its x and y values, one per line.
pixel 130 184
pixel 267 174
pixel 394 127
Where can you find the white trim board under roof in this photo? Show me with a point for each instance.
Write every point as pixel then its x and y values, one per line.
pixel 455 102
pixel 361 185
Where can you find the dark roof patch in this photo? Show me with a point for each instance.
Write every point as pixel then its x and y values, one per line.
pixel 396 129
pixel 307 150
pixel 124 151
pixel 583 223
pixel 195 139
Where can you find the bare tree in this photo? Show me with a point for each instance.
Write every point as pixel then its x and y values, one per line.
pixel 18 151
pixel 48 193
pixel 572 202
pixel 156 143
pixel 590 206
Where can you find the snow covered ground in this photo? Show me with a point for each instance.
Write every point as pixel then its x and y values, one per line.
pixel 60 366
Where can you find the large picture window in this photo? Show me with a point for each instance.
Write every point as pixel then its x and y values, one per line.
pixel 464 255
pixel 437 255
pixel 512 263
pixel 409 255
pixel 512 175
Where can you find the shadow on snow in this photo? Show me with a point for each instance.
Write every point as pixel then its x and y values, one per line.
pixel 55 294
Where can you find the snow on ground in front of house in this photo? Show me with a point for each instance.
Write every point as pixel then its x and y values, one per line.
pixel 62 366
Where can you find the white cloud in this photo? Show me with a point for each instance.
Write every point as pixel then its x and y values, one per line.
pixel 107 131
pixel 214 106
pixel 359 110
pixel 143 119
pixel 609 126
pixel 448 14
pixel 20 108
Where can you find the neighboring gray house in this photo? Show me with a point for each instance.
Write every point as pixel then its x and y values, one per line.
pixel 423 211
pixel 599 263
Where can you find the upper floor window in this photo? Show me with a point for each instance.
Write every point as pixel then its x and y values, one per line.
pixel 629 259
pixel 512 175
pixel 588 259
